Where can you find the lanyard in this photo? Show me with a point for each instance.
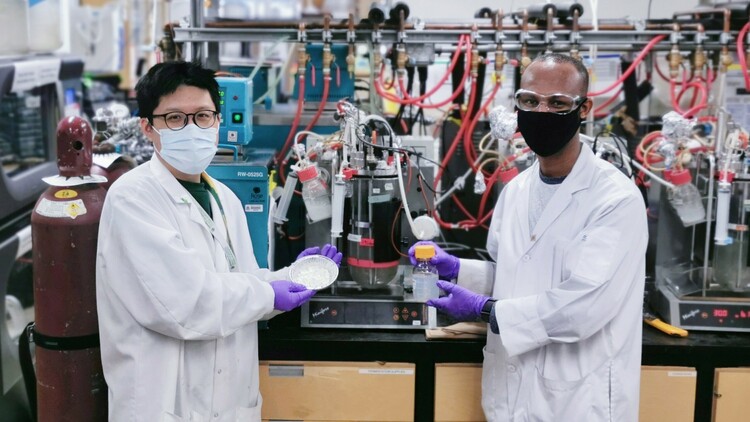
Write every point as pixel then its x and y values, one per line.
pixel 226 245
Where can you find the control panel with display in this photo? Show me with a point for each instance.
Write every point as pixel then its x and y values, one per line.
pixel 715 315
pixel 236 107
pixel 342 312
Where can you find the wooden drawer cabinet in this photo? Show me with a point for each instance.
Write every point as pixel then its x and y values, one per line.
pixel 731 395
pixel 337 391
pixel 667 394
pixel 458 392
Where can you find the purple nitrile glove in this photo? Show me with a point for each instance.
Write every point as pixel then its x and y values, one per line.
pixel 461 304
pixel 315 250
pixel 331 252
pixel 328 251
pixel 289 295
pixel 446 264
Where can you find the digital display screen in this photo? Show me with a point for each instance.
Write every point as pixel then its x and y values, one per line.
pixel 721 313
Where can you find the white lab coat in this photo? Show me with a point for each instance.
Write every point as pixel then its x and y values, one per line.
pixel 570 299
pixel 178 329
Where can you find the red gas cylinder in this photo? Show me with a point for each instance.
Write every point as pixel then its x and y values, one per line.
pixel 65 223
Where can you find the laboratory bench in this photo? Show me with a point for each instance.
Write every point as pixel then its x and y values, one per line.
pixel 704 351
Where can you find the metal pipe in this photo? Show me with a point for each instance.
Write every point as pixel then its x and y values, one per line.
pixel 574 37
pixel 350 38
pixel 196 21
pixel 699 56
pixel 523 37
pixel 481 24
pixel 740 240
pixel 326 34
pixel 614 40
pixel 721 133
pixel 675 58
pixel 499 36
pixel 549 35
pixel 727 15
pixel 709 218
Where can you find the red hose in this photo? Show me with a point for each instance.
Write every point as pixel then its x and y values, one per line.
pixel 741 54
pixel 632 66
pixel 471 157
pixel 461 41
pixel 321 106
pixel 381 91
pixel 471 154
pixel 416 101
pixel 480 222
pixel 295 122
pixel 437 105
pixel 486 195
pixel 313 122
pixel 449 154
pixel 598 111
pixel 642 145
pixel 462 128
pixel 676 100
pixel 382 81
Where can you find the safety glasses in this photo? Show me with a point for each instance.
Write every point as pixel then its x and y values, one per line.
pixel 554 103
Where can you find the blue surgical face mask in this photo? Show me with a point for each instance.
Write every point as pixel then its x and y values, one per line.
pixel 190 149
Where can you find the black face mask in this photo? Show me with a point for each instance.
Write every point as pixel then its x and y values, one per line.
pixel 548 133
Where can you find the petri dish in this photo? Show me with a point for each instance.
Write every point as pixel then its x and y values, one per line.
pixel 314 272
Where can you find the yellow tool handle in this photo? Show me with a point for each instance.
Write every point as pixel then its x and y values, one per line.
pixel 666 328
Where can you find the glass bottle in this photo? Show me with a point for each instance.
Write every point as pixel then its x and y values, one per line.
pixel 315 193
pixel 686 199
pixel 424 277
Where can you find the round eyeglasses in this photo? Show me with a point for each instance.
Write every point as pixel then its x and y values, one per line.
pixel 177 120
pixel 554 103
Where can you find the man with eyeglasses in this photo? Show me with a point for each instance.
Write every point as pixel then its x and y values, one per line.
pixel 564 296
pixel 179 292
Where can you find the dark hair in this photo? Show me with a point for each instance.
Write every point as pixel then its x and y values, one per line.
pixel 562 59
pixel 164 79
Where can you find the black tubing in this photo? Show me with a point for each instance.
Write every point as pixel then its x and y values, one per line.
pixel 565 10
pixel 539 11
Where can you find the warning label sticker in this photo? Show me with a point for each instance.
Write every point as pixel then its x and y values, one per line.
pixel 60 209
